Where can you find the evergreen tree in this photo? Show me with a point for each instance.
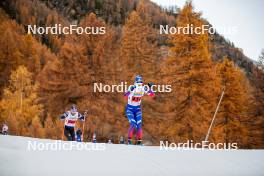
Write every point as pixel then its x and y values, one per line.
pixel 36 128
pixel 10 56
pixel 190 71
pixel 49 128
pixel 19 105
pixel 233 113
pixel 138 49
pixel 66 79
pixel 99 49
pixel 17 49
pixel 30 56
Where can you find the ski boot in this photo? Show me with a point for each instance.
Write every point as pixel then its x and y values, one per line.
pixel 129 142
pixel 139 142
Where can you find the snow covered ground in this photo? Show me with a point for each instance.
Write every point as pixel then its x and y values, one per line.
pixel 123 160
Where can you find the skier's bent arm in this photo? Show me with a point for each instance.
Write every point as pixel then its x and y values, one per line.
pixel 149 92
pixel 126 94
pixel 130 89
pixel 81 117
pixel 62 117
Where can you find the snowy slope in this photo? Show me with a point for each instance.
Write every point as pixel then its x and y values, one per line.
pixel 123 160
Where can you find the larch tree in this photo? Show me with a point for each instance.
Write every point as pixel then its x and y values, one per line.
pixel 53 127
pixel 16 49
pixel 100 48
pixel 49 128
pixel 233 114
pixel 66 79
pixel 36 128
pixel 19 105
pixel 138 51
pixel 30 56
pixel 190 71
pixel 10 56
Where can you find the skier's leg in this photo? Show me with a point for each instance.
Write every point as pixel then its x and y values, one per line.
pixel 78 139
pixel 132 121
pixel 72 133
pixel 67 133
pixel 79 135
pixel 130 132
pixel 139 126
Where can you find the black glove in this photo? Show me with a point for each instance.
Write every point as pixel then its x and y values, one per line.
pixel 124 113
pixel 150 85
pixel 132 87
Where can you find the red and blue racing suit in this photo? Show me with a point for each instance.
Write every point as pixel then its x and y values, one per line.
pixel 133 109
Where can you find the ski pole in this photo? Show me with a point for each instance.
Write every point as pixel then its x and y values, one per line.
pixel 85 114
pixel 212 122
pixel 83 131
pixel 62 133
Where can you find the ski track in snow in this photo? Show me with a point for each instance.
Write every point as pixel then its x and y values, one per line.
pixel 124 160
